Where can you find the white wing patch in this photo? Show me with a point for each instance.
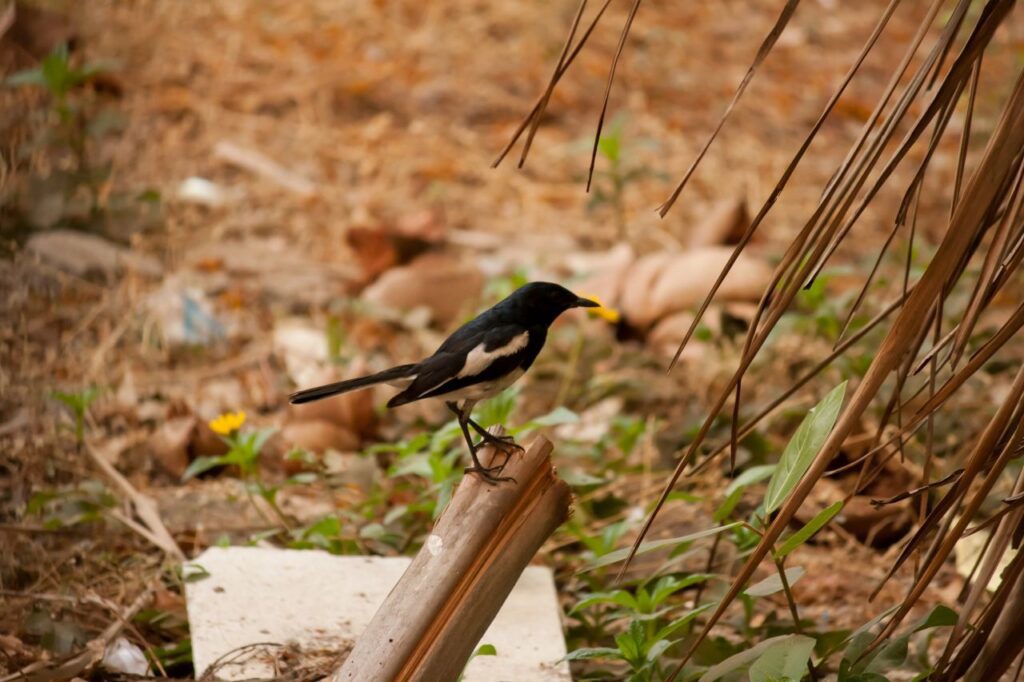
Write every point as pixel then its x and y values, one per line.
pixel 480 359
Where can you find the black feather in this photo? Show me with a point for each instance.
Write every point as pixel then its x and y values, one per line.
pixel 531 308
pixel 326 391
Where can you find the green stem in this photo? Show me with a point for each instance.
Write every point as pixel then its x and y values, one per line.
pixel 780 565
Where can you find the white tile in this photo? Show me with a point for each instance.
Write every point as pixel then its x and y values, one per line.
pixel 319 600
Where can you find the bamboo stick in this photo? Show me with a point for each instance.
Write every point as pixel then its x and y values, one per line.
pixel 431 621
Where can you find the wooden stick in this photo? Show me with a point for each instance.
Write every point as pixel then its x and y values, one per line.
pixel 152 527
pixel 431 621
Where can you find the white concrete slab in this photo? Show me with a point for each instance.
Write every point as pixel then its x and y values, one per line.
pixel 320 601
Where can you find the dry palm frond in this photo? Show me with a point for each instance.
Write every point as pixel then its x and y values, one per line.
pixel 913 116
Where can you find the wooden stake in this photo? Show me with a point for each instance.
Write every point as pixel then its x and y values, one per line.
pixel 431 621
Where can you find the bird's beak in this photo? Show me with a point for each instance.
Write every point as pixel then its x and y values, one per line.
pixel 586 303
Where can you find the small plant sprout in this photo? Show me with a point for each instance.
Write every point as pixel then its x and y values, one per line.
pixel 78 402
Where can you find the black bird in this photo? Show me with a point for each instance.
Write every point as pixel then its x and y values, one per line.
pixel 478 361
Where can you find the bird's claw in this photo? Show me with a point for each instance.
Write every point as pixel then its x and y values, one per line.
pixel 488 477
pixel 507 444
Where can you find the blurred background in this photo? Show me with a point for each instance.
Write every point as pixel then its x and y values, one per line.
pixel 207 205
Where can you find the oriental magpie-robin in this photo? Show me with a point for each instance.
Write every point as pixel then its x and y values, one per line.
pixel 478 361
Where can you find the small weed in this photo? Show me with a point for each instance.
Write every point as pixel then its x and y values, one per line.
pixel 243 453
pixel 78 403
pixel 610 186
pixel 71 183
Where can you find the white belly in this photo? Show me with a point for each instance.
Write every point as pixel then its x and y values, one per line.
pixel 485 390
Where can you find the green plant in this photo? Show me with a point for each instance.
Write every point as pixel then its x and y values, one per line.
pixel 658 620
pixel 78 402
pixel 609 188
pixel 72 184
pixel 482 650
pixel 85 503
pixel 244 454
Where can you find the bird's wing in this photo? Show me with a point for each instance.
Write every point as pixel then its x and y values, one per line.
pixel 479 357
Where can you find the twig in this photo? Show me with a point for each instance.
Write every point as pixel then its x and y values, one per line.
pixel 152 527
pixel 44 671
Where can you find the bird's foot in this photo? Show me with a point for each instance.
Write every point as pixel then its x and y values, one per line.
pixel 487 473
pixel 506 444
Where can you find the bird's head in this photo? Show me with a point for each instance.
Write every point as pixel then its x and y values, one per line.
pixel 545 301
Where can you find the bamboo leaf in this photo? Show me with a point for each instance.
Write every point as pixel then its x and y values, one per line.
pixel 802 447
pixel 620 554
pixel 773 583
pixel 748 657
pixel 785 661
pixel 810 528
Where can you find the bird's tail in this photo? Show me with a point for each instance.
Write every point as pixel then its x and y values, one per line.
pixel 327 390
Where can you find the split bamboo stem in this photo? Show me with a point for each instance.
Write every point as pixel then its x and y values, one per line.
pixel 432 620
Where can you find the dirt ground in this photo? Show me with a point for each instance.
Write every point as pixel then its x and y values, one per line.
pixel 302 152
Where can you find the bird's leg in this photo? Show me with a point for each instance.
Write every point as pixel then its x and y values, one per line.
pixel 486 473
pixel 505 444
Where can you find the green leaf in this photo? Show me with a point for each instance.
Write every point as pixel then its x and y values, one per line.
pixel 894 653
pixel 559 415
pixel 658 648
pixel 621 554
pixel 192 572
pixel 750 476
pixel 773 583
pixel 786 660
pixel 26 77
pixel 261 438
pixel 581 479
pixel 682 621
pixel 498 409
pixel 747 657
pixel 725 509
pixel 486 650
pixel 631 642
pixel 810 528
pixel 669 585
pixel 592 652
pixel 619 597
pixel 202 464
pixel 802 448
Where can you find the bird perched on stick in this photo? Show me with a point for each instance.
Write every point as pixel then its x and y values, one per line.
pixel 479 360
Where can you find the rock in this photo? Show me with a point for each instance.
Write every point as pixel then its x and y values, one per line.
pixel 602 274
pixel 353 411
pixel 303 349
pixel 385 246
pixel 121 656
pixel 319 435
pixel 206 443
pixel 663 283
pixel 169 444
pixel 638 284
pixel 670 331
pixel 437 282
pixel 86 254
pixel 275 267
pixel 725 223
pixel 875 526
pixel 196 190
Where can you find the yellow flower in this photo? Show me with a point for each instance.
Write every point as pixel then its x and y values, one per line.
pixel 227 423
pixel 609 315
